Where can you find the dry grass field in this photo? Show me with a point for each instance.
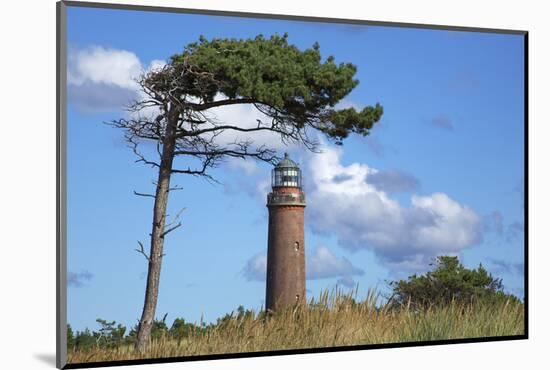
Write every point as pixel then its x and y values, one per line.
pixel 334 319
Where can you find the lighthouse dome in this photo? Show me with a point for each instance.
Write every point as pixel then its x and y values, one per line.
pixel 286 162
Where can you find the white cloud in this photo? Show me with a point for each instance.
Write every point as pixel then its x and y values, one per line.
pixel 256 268
pixel 103 79
pixel 394 181
pixel 342 201
pixel 347 281
pixel 156 65
pixel 244 116
pixel 91 97
pixel 248 166
pixel 321 263
pixel 100 65
pixel 263 187
pixel 455 226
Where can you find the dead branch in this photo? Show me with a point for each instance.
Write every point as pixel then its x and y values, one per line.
pixel 144 195
pixel 170 230
pixel 142 251
pixel 175 188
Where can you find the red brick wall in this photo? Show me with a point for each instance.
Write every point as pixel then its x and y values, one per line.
pixel 285 265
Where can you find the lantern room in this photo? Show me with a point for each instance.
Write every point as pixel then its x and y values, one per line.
pixel 286 174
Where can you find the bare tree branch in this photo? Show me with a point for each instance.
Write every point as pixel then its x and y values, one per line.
pixel 175 188
pixel 142 251
pixel 170 230
pixel 144 195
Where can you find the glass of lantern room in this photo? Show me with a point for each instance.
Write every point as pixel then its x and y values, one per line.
pixel 286 174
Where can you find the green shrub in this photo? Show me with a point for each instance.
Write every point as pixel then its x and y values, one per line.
pixel 449 281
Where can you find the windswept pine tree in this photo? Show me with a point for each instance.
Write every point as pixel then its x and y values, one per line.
pixel 295 90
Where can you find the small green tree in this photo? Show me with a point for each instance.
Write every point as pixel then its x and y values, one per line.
pixel 84 339
pixel 181 329
pixel 132 335
pixel 70 337
pixel 449 281
pixel 159 329
pixel 110 334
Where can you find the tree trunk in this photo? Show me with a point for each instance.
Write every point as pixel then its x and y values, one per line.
pixel 157 235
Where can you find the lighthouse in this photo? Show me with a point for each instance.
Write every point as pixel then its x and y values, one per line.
pixel 286 270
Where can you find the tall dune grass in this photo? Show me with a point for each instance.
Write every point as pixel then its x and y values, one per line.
pixel 334 319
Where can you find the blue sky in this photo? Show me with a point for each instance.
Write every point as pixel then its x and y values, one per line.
pixel 442 173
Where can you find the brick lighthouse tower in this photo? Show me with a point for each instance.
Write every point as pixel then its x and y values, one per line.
pixel 286 270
